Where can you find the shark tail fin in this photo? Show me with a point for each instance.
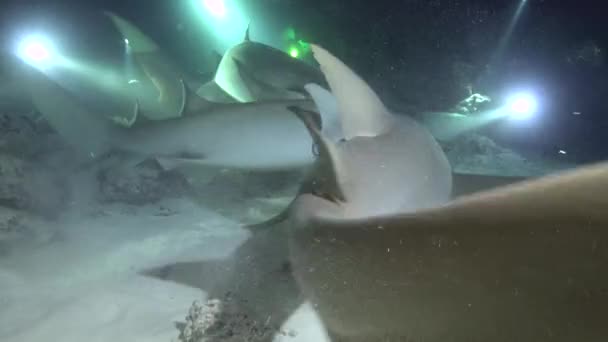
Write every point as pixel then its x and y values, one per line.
pixel 89 132
pixel 165 97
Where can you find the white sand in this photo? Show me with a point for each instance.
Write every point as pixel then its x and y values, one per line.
pixel 81 283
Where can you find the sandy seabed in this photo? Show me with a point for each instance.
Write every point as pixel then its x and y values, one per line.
pixel 77 279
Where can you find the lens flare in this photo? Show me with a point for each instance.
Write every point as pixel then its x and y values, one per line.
pixel 294 52
pixel 35 50
pixel 522 105
pixel 216 7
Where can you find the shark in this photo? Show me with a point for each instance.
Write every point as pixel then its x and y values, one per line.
pixel 159 85
pixel 247 72
pixel 387 164
pixel 521 262
pixel 253 71
pixel 251 136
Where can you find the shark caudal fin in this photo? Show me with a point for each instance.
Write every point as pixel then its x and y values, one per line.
pixel 89 132
pixel 160 83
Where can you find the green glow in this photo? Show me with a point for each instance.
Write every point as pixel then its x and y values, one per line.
pixel 295 47
pixel 290 33
pixel 294 52
pixel 216 7
pixel 304 46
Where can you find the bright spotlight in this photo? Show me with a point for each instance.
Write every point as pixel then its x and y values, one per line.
pixel 522 105
pixel 294 52
pixel 36 51
pixel 216 7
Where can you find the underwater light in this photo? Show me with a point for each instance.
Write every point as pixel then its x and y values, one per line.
pixel 294 52
pixel 522 105
pixel 295 47
pixel 216 7
pixel 35 50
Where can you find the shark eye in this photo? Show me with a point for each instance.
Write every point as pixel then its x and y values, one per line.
pixel 315 149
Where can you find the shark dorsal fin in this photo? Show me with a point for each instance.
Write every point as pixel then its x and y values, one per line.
pixel 247 39
pixel 362 111
pixel 138 41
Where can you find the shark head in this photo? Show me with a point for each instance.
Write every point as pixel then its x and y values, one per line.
pixel 374 162
pixel 251 71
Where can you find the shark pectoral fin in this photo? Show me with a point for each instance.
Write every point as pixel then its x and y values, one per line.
pixel 244 89
pixel 362 112
pixel 566 210
pixel 205 99
pixel 466 184
pixel 571 200
pixel 255 87
pixel 328 108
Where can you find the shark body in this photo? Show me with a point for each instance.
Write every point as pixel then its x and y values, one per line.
pixel 263 135
pixel 247 72
pixel 522 262
pixel 388 164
